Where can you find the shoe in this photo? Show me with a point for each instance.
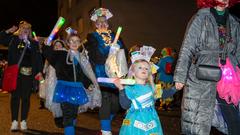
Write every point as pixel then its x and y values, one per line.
pixel 106 132
pixel 23 125
pixel 99 133
pixel 14 126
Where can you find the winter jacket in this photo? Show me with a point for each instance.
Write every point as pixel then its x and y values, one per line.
pixel 199 95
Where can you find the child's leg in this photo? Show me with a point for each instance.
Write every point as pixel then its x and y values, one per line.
pixel 69 115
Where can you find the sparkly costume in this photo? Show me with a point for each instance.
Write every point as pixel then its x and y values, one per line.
pixel 50 83
pixel 141 118
pixel 71 84
pixel 98 51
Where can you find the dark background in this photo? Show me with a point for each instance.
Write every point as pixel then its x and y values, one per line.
pixel 42 14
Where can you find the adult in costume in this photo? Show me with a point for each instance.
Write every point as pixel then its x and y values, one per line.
pixel 19 40
pixel 98 46
pixel 212 39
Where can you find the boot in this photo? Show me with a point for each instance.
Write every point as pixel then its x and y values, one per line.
pixel 69 130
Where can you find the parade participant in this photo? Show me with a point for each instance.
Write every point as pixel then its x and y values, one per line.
pixel 165 75
pixel 50 83
pixel 141 118
pixel 19 40
pixel 71 81
pixel 211 41
pixel 98 46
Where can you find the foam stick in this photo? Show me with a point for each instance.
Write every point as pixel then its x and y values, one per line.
pixel 111 80
pixel 35 36
pixel 56 28
pixel 117 35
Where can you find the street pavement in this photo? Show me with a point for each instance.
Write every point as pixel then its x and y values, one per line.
pixel 40 121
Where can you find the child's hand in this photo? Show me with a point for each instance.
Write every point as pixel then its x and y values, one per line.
pixel 179 85
pixel 118 84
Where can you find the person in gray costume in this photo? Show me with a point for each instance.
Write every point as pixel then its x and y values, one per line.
pixel 203 44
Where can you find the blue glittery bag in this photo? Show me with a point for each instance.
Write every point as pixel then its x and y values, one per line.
pixel 71 92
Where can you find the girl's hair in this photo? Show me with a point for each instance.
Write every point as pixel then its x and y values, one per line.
pixel 61 42
pixel 21 26
pixel 72 35
pixel 150 77
pixel 212 3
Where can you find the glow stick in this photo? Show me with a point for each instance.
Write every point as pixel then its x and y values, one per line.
pixel 56 28
pixel 35 36
pixel 117 35
pixel 111 80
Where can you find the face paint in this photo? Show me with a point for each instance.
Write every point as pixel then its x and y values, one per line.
pixel 222 3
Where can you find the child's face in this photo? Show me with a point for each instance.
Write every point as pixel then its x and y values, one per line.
pixel 58 46
pixel 141 70
pixel 74 43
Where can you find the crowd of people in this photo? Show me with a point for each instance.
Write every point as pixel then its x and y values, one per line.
pixel 66 72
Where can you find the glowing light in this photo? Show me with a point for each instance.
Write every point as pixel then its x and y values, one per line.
pixel 117 35
pixel 34 36
pixel 56 28
pixel 111 80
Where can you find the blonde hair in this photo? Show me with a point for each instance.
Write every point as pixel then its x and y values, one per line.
pixel 24 25
pixel 150 80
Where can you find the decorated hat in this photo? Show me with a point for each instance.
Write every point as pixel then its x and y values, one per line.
pixel 145 53
pixel 101 12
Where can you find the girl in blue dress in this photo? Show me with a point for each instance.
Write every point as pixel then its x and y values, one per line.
pixel 141 118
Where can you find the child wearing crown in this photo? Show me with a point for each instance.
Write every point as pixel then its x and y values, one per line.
pixel 139 99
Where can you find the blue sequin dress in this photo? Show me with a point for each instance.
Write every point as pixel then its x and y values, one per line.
pixel 141 118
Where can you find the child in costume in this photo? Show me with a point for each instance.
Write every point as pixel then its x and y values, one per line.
pixel 71 81
pixel 139 99
pixel 141 118
pixel 49 85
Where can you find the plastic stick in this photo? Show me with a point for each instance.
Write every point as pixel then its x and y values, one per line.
pixel 56 28
pixel 111 80
pixel 117 35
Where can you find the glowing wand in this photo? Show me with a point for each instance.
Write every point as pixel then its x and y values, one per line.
pixel 56 28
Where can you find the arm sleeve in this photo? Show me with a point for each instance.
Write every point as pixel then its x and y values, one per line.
pixel 125 102
pixel 48 53
pixel 37 58
pixel 5 38
pixel 238 44
pixel 191 40
pixel 91 46
pixel 169 92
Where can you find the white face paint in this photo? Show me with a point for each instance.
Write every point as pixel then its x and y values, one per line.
pixel 141 71
pixel 74 43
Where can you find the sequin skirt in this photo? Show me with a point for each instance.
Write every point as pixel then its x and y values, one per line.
pixel 71 92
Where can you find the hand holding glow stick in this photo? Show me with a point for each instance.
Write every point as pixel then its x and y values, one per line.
pixel 111 80
pixel 117 35
pixel 35 36
pixel 56 28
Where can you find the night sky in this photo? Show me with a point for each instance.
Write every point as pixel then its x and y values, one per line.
pixel 42 14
